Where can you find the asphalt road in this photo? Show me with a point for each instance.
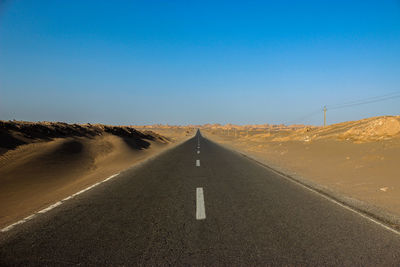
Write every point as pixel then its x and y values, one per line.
pixel 149 215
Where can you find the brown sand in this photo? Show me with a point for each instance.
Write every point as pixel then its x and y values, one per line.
pixel 38 168
pixel 359 159
pixel 174 133
pixel 41 163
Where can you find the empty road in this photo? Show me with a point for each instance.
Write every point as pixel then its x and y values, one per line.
pixel 206 206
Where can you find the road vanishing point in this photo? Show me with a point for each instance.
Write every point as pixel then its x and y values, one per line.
pixel 184 207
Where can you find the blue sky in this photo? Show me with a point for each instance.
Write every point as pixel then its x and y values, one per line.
pixel 194 62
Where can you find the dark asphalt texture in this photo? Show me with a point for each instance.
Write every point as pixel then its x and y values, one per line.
pixel 147 216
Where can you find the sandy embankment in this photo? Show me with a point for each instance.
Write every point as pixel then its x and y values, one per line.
pixel 173 133
pixel 43 163
pixel 358 159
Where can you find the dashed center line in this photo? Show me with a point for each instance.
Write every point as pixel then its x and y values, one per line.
pixel 197 163
pixel 198 151
pixel 200 208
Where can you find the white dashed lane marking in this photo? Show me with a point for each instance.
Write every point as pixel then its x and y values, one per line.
pixel 200 208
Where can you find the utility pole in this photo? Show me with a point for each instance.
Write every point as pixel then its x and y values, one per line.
pixel 325 116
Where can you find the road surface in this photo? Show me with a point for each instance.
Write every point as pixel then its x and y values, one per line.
pixel 212 207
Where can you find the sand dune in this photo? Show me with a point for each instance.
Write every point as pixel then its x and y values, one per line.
pixel 366 130
pixel 173 133
pixel 16 133
pixel 41 163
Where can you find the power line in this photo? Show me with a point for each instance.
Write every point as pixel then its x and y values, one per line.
pixel 365 101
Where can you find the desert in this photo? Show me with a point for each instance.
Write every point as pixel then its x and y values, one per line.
pixel 188 133
pixel 356 159
pixel 44 162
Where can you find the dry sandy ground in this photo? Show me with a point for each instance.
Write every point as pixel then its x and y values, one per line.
pixel 173 133
pixel 359 159
pixel 41 163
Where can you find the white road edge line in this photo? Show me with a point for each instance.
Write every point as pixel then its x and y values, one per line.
pixel 30 217
pixel 200 208
pixel 197 163
pixel 52 206
pixel 339 203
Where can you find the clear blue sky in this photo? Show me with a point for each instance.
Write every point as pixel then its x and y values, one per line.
pixel 181 62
